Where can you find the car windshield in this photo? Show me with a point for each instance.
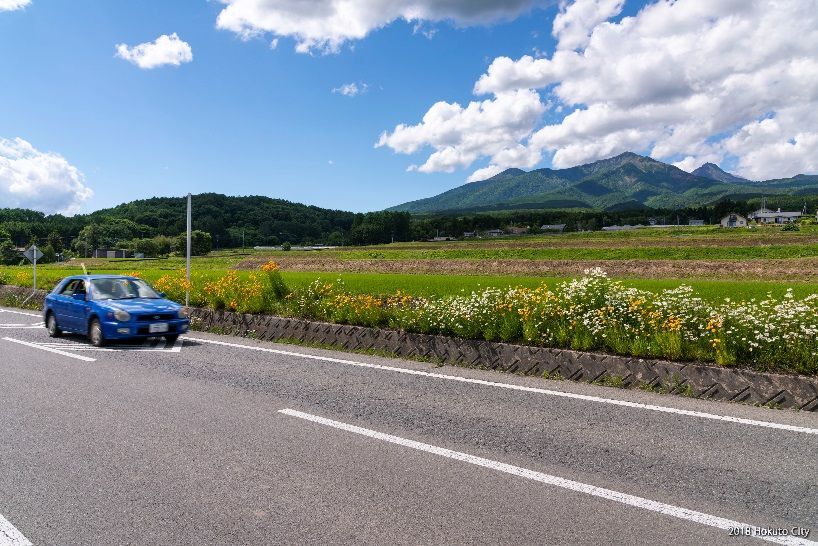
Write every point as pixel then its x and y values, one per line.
pixel 121 289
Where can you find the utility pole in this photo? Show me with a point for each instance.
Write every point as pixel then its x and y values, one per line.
pixel 189 217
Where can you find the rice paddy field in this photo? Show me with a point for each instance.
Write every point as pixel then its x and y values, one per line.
pixel 737 298
pixel 717 263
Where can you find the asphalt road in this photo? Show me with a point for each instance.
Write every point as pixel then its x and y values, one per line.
pixel 221 440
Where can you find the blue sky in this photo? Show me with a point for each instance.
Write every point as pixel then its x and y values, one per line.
pixel 243 118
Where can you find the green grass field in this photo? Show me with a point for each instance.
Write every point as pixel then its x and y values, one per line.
pixel 680 244
pixel 422 285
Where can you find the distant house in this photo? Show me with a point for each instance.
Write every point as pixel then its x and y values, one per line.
pixel 518 230
pixel 695 222
pixel 495 233
pixel 559 228
pixel 112 253
pixel 764 216
pixel 733 221
pixel 469 234
pixel 767 216
pixel 439 239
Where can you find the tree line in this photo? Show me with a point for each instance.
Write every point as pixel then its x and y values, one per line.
pixel 155 227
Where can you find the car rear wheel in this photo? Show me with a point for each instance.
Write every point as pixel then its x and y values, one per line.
pixel 51 324
pixel 95 334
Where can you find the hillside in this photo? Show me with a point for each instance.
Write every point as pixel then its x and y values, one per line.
pixel 232 221
pixel 623 182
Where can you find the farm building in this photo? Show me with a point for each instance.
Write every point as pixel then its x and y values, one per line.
pixel 559 228
pixel 767 216
pixel 695 222
pixel 733 221
pixel 495 233
pixel 112 253
pixel 764 216
pixel 514 230
pixel 469 234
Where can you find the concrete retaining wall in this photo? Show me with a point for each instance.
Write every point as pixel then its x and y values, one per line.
pixel 700 380
pixel 787 391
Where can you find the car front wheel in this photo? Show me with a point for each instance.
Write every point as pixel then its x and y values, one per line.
pixel 172 338
pixel 95 334
pixel 51 324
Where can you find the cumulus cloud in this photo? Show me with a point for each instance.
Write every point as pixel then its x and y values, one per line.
pixel 573 25
pixel 460 135
pixel 165 50
pixel 685 81
pixel 351 89
pixel 11 5
pixel 37 180
pixel 325 25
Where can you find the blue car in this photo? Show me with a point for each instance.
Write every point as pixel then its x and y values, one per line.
pixel 112 307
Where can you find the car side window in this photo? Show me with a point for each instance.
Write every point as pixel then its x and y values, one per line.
pixel 68 289
pixel 80 288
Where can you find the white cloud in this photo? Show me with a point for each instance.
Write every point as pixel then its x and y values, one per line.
pixel 703 81
pixel 325 25
pixel 37 180
pixel 575 21
pixel 461 135
pixel 165 50
pixel 11 5
pixel 351 89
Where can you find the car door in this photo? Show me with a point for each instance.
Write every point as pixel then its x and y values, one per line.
pixel 75 308
pixel 59 304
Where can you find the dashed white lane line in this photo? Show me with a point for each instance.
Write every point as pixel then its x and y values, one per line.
pixel 23 326
pixel 579 487
pixel 585 397
pixel 50 349
pixel 10 536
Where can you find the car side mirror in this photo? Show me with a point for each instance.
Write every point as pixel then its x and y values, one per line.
pixel 80 297
pixel 161 294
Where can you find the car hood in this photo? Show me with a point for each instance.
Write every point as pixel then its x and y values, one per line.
pixel 143 305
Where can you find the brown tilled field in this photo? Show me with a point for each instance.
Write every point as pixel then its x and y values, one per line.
pixel 802 269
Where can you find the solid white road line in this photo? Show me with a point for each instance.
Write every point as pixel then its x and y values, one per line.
pixel 50 350
pixel 585 397
pixel 608 494
pixel 10 536
pixel 149 347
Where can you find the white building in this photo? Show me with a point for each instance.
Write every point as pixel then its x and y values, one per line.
pixel 767 216
pixel 733 221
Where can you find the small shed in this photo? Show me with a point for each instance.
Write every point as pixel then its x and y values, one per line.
pixel 559 228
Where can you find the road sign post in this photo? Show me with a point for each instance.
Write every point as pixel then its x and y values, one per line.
pixel 33 254
pixel 189 218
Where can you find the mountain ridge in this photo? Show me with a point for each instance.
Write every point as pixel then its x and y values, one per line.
pixel 627 180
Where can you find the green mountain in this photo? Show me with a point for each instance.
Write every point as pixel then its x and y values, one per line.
pixel 627 181
pixel 714 172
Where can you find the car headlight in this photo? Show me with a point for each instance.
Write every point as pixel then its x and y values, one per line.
pixel 183 312
pixel 122 316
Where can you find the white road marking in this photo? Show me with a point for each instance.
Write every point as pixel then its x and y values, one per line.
pixel 146 346
pixel 20 313
pixel 10 536
pixel 585 397
pixel 23 326
pixel 50 349
pixel 579 487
